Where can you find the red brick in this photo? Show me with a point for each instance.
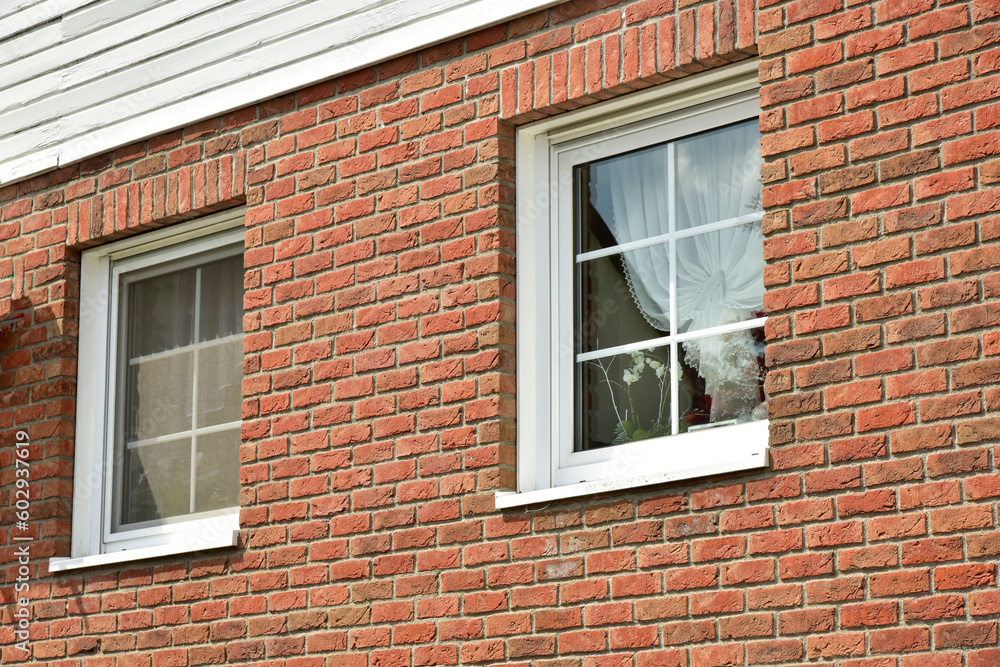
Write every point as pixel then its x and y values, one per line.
pixel 933 608
pixel 875 557
pixel 899 583
pixel 965 634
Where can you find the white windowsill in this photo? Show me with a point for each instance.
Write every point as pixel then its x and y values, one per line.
pixel 170 549
pixel 755 457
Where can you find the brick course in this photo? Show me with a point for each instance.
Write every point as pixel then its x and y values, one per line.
pixel 378 413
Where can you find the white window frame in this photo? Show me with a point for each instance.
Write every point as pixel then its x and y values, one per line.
pixel 547 467
pixel 92 541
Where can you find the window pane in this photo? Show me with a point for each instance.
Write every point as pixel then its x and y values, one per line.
pixel 718 175
pixel 621 297
pixel 217 471
pixel 722 379
pixel 623 398
pixel 220 373
pixel 161 313
pixel 608 312
pixel 156 481
pixel 720 277
pixel 637 220
pixel 221 298
pixel 624 198
pixel 181 371
pixel 158 395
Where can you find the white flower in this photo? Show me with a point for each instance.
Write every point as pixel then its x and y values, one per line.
pixel 658 367
pixel 638 363
pixel 629 377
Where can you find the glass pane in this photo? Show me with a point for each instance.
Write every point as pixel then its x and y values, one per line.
pixel 722 379
pixel 156 481
pixel 720 277
pixel 646 198
pixel 160 313
pixel 158 395
pixel 623 398
pixel 173 364
pixel 217 471
pixel 221 298
pixel 623 298
pixel 624 198
pixel 718 174
pixel 220 373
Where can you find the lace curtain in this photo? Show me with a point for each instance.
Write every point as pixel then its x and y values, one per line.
pixel 719 274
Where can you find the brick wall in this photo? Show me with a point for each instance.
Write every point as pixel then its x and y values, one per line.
pixel 379 368
pixel 882 204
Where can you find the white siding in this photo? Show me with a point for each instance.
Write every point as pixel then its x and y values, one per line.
pixel 81 77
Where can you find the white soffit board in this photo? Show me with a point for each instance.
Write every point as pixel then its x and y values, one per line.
pixel 81 77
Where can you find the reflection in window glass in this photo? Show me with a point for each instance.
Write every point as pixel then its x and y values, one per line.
pixel 156 481
pixel 177 449
pixel 669 288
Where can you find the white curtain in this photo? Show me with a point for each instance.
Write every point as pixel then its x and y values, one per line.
pixel 719 274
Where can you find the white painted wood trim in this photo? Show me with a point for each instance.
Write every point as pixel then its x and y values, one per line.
pixel 132 40
pixel 253 75
pixel 37 14
pixel 14 6
pixel 41 38
pixel 106 12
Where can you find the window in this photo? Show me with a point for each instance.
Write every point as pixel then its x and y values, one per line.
pixel 640 292
pixel 159 394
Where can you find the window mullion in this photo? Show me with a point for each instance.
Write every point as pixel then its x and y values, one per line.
pixel 194 388
pixel 184 349
pixel 672 267
pixel 170 437
pixel 651 343
pixel 622 248
pixel 606 352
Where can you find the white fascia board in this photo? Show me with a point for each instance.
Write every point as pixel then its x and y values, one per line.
pixel 281 78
